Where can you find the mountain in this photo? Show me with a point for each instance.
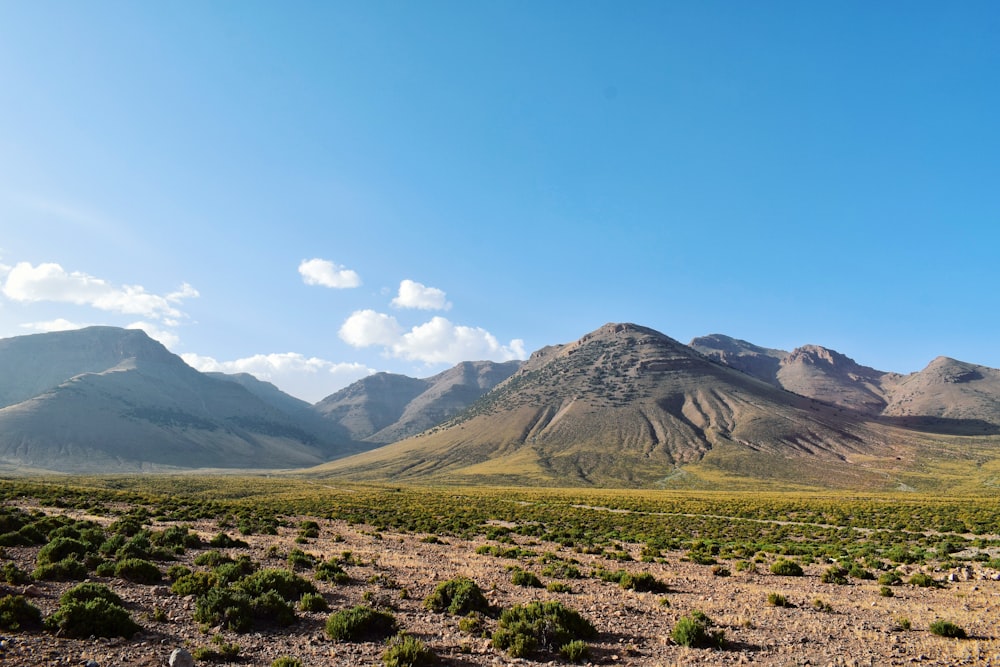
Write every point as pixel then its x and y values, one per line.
pixel 761 362
pixel 103 399
pixel 948 396
pixel 626 405
pixel 385 407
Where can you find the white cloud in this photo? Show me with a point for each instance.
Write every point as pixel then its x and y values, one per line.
pixel 365 328
pixel 308 378
pixel 440 341
pixel 436 341
pixel 327 274
pixel 49 326
pixel 415 295
pixel 50 282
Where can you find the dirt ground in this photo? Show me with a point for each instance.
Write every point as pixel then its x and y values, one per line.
pixel 856 626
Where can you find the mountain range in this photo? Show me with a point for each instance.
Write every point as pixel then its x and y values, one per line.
pixel 624 405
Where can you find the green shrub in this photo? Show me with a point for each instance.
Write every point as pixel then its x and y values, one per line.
pixel 177 536
pixel 233 571
pixel 16 613
pixel 175 572
pixel 361 623
pixel 12 574
pixel 778 600
pixel 558 587
pixel 219 651
pixel 106 568
pixel 287 661
pixel 923 580
pixel 834 575
pixel 520 577
pixel 138 570
pixel 61 548
pixel 270 607
pixel 90 590
pixel 223 541
pixel 407 651
pixel 786 568
pixel 96 617
pixel 212 558
pixel 288 585
pixel 885 592
pixel 331 571
pixel 539 626
pixel 300 559
pixel 859 572
pixel 890 578
pixel 458 596
pixel 224 607
pixel 137 546
pixel 313 602
pixel 195 583
pixel 473 624
pixel 575 651
pixel 68 569
pixel 820 605
pixel 944 628
pixel 693 631
pixel 642 582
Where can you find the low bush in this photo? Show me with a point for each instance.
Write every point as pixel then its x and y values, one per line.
pixel 61 548
pixel 219 651
pixel 288 585
pixel 223 541
pixel 361 623
pixel 270 607
pixel 226 608
pixel 16 613
pixel 890 578
pixel 12 574
pixel 287 661
pixel 575 651
pixel 90 590
pixel 195 583
pixel 778 600
pixel 540 626
pixel 459 596
pixel 313 602
pixel 834 575
pixel 642 582
pixel 407 651
pixel 233 571
pixel 96 616
pixel 520 577
pixel 786 568
pixel 68 569
pixel 331 571
pixel 923 580
pixel 138 570
pixel 944 628
pixel 693 631
pixel 558 587
pixel 212 558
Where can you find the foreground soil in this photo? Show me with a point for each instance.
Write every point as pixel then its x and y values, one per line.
pixel 826 624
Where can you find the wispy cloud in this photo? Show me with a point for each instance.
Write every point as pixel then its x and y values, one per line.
pixel 308 378
pixel 26 283
pixel 48 326
pixel 436 341
pixel 325 273
pixel 416 295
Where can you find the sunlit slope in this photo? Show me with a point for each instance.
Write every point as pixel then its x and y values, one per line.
pixel 625 406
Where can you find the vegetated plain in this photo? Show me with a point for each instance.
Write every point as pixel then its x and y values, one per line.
pixel 267 570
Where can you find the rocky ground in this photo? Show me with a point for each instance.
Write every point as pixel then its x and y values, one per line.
pixel 855 626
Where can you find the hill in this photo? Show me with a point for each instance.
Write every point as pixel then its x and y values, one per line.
pixel 627 405
pixel 103 399
pixel 385 407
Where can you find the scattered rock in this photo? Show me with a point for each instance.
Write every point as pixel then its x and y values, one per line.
pixel 181 658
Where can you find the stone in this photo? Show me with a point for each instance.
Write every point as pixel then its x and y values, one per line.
pixel 181 658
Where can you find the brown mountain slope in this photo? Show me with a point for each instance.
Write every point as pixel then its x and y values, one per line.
pixel 948 396
pixel 624 405
pixel 761 362
pixel 830 376
pixel 384 407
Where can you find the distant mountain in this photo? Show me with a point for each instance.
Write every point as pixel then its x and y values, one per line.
pixel 385 407
pixel 104 399
pixel 624 405
pixel 948 396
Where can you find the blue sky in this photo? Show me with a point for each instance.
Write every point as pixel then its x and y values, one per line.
pixel 314 191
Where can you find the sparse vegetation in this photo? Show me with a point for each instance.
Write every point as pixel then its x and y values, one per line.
pixel 459 597
pixel 540 627
pixel 694 631
pixel 361 623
